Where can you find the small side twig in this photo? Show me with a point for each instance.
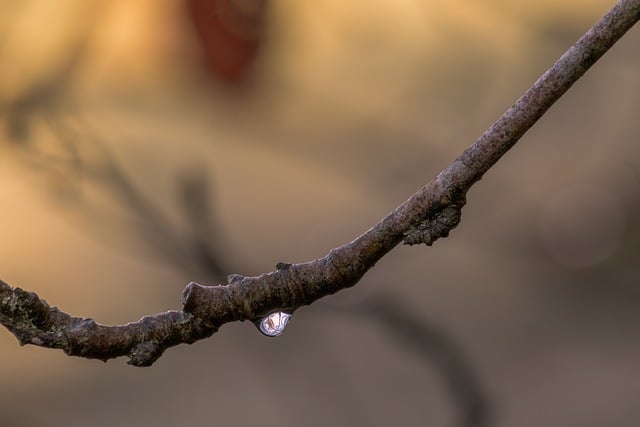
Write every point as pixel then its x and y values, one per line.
pixel 206 308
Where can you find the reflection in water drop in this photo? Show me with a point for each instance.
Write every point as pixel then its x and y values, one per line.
pixel 274 324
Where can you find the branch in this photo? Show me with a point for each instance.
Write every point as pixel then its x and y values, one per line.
pixel 426 216
pixel 88 157
pixel 433 346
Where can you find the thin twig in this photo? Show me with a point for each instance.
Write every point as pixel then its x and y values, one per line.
pixel 434 346
pixel 429 214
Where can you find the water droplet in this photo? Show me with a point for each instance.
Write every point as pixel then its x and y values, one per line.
pixel 273 324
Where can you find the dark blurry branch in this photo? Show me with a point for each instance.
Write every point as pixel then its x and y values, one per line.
pixel 44 95
pixel 426 216
pixel 433 346
pixel 48 89
pixel 83 157
pixel 73 158
pixel 187 251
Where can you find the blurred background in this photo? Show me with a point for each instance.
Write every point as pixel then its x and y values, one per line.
pixel 147 144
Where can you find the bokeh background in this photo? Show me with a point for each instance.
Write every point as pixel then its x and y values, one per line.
pixel 147 144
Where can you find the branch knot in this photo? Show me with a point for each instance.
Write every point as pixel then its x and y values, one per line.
pixel 145 353
pixel 434 227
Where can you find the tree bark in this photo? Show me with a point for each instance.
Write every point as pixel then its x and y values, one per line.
pixel 432 212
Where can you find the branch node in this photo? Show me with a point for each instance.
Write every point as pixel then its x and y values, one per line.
pixel 145 353
pixel 431 229
pixel 232 278
pixel 283 266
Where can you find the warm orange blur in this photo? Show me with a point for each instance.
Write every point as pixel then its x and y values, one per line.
pixel 336 112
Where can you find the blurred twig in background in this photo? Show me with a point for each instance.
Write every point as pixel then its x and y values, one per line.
pixel 433 346
pixel 76 157
pixel 82 158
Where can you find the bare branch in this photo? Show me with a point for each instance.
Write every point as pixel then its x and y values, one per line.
pixel 433 346
pixel 429 214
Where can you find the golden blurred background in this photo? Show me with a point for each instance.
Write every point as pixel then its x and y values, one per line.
pixel 147 144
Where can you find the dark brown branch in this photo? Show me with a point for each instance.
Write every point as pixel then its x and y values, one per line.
pixel 429 214
pixel 433 346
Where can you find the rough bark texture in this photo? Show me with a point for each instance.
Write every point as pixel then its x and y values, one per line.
pixel 428 215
